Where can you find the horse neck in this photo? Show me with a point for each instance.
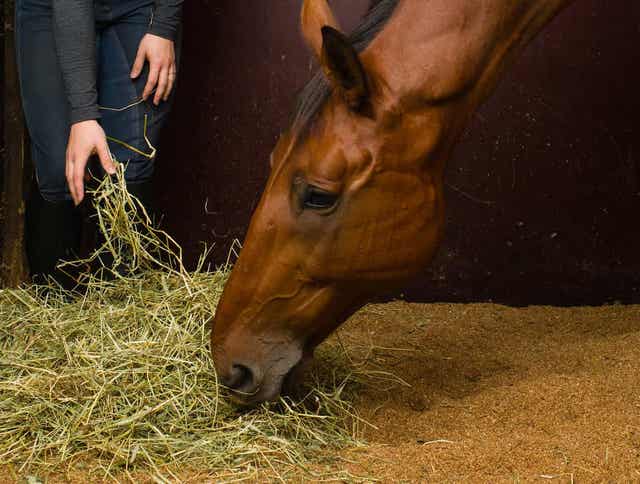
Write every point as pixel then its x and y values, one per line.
pixel 432 51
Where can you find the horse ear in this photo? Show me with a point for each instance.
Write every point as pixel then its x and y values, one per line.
pixel 316 14
pixel 342 66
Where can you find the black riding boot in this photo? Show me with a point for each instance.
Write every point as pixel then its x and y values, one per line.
pixel 52 234
pixel 143 191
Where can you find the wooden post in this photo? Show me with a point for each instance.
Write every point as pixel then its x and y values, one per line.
pixel 13 267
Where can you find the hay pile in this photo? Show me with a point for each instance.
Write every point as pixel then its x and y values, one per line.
pixel 118 382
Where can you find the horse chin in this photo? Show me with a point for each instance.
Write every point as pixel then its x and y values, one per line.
pixel 293 383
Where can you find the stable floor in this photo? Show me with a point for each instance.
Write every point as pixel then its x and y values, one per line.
pixel 502 394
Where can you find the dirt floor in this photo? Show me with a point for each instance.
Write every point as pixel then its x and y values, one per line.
pixel 498 394
pixel 502 394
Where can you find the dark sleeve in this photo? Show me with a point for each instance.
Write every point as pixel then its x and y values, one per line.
pixel 75 38
pixel 166 18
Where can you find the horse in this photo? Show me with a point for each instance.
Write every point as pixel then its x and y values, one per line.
pixel 354 205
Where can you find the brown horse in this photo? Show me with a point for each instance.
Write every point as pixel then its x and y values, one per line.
pixel 354 203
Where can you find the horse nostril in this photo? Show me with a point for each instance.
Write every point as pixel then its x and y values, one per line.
pixel 240 379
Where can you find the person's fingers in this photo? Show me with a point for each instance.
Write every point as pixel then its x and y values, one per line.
pixel 138 64
pixel 105 158
pixel 78 179
pixel 171 82
pixel 69 177
pixel 67 167
pixel 163 81
pixel 152 81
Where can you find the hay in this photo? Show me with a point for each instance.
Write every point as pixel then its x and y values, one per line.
pixel 118 380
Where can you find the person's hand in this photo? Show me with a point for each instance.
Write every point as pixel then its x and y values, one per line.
pixel 160 54
pixel 86 138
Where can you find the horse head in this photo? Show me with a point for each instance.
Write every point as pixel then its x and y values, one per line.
pixel 353 206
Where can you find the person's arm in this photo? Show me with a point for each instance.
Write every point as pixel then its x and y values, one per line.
pixel 166 18
pixel 157 47
pixel 75 39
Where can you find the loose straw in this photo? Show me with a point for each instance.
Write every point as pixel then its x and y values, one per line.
pixel 117 382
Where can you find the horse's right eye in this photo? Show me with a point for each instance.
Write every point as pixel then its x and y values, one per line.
pixel 317 199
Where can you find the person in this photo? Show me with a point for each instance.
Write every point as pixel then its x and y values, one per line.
pixel 96 79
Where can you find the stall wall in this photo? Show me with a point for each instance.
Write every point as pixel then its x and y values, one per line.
pixel 543 190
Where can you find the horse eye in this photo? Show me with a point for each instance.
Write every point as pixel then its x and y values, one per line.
pixel 317 199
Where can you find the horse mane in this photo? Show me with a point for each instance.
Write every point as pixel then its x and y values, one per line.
pixel 313 96
pixel 373 4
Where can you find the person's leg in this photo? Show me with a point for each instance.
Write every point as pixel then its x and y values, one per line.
pixel 52 234
pixel 139 125
pixel 132 126
pixel 53 226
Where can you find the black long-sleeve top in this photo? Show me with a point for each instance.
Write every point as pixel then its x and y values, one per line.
pixel 75 38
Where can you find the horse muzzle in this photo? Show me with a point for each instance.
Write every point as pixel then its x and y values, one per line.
pixel 257 375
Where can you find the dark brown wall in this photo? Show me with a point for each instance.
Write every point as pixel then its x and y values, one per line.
pixel 4 25
pixel 543 191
